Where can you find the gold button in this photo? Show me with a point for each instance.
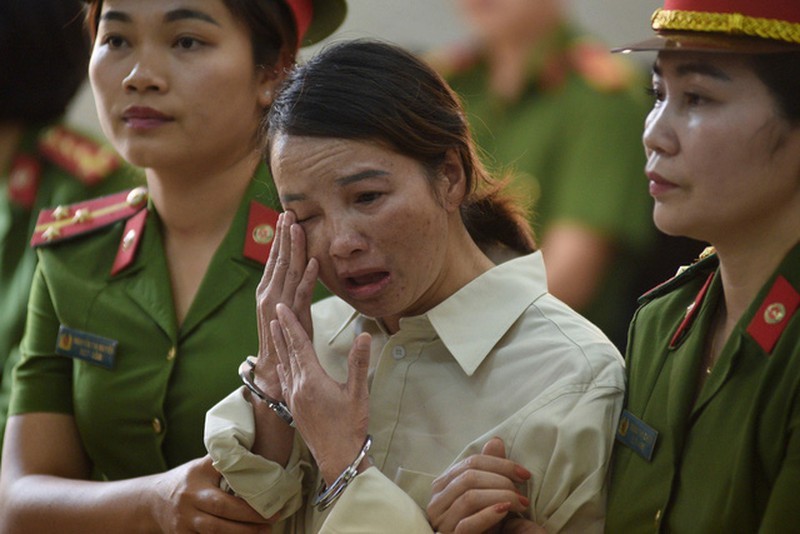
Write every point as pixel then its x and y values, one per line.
pixel 136 197
pixel 263 234
pixel 157 427
pixel 171 354
pixel 658 518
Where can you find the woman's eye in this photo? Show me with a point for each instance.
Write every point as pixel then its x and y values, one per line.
pixel 654 93
pixel 366 198
pixel 113 41
pixel 187 43
pixel 693 99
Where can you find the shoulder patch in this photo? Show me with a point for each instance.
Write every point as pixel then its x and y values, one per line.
pixel 85 158
pixel 599 67
pixel 705 262
pixel 453 59
pixel 774 314
pixel 261 224
pixel 65 222
pixel 23 180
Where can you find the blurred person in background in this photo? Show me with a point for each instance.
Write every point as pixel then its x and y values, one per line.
pixel 553 106
pixel 44 52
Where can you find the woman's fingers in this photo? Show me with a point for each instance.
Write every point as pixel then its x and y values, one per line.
pixel 358 367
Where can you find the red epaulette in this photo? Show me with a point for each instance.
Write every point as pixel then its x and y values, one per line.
pixel 65 222
pixel 261 223
pixel 81 156
pixel 599 67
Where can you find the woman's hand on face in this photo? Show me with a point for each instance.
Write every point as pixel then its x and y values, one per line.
pixel 332 417
pixel 289 279
pixel 189 499
pixel 477 494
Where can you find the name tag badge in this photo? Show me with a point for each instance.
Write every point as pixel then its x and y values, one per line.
pixel 87 347
pixel 636 434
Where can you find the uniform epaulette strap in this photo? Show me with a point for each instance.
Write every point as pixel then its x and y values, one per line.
pixel 599 68
pixel 705 262
pixel 66 222
pixel 81 156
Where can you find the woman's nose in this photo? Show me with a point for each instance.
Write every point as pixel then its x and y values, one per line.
pixel 346 239
pixel 144 77
pixel 659 135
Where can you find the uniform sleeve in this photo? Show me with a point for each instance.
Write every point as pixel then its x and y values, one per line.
pixel 42 380
pixel 599 179
pixel 266 486
pixel 783 508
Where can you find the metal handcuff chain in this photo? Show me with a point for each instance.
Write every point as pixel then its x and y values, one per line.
pixel 246 371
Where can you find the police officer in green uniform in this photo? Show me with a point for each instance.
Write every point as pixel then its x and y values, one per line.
pixel 143 302
pixel 43 162
pixel 554 108
pixel 709 440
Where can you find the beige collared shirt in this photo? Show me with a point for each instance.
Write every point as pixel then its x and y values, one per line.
pixel 500 357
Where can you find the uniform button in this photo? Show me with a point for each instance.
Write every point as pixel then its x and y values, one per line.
pixel 658 518
pixel 399 352
pixel 171 354
pixel 157 426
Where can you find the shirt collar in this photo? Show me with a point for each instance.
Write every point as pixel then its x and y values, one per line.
pixel 472 320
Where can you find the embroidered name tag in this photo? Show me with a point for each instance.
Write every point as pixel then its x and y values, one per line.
pixel 636 434
pixel 85 346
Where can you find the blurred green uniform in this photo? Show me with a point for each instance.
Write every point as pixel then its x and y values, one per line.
pixel 573 141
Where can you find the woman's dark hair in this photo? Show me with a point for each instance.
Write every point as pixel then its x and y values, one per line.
pixel 269 22
pixel 781 74
pixel 43 58
pixel 372 91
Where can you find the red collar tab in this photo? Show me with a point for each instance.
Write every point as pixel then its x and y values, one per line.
pixel 303 11
pixel 64 222
pixel 691 313
pixel 774 314
pixel 131 237
pixel 261 224
pixel 23 180
pixel 86 159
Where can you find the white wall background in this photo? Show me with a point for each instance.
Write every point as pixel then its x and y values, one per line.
pixel 423 24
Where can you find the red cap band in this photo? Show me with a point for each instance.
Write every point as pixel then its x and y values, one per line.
pixel 786 10
pixel 303 11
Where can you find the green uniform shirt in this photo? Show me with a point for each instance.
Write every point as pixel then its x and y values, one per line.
pixel 56 185
pixel 146 413
pixel 729 462
pixel 573 141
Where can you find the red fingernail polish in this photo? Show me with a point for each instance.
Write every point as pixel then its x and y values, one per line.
pixel 522 473
pixel 524 501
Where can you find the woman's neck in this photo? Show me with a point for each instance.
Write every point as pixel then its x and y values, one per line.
pixel 200 202
pixel 746 264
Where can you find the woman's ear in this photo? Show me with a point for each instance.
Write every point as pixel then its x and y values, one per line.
pixel 454 186
pixel 271 77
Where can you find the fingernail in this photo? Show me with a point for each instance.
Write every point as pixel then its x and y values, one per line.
pixel 502 507
pixel 522 473
pixel 523 500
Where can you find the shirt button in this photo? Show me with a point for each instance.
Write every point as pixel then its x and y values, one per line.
pixel 157 426
pixel 171 354
pixel 399 352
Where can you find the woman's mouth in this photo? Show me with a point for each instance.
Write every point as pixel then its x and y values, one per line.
pixel 144 118
pixel 659 185
pixel 366 285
